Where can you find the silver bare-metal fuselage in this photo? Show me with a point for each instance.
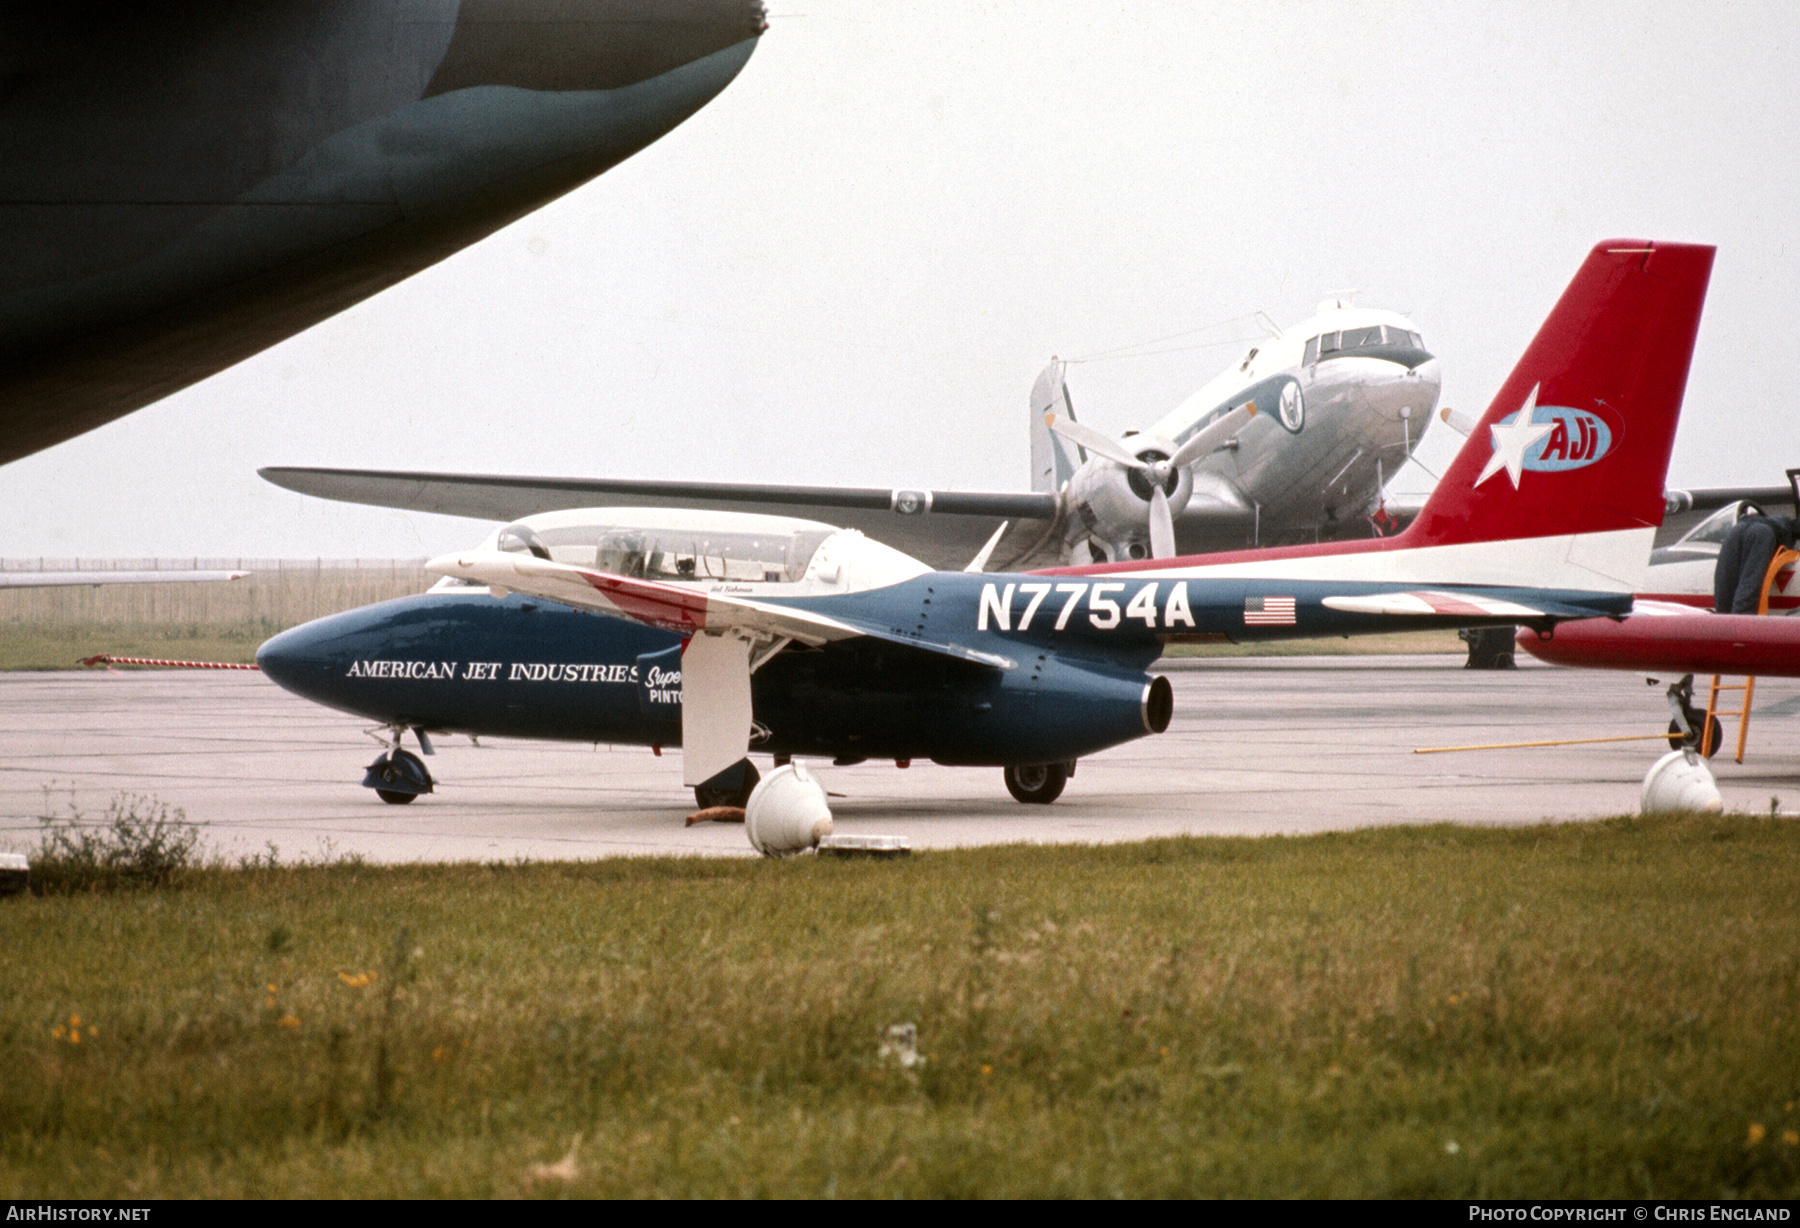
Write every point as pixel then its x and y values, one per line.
pixel 1363 417
pixel 1334 406
pixel 1333 426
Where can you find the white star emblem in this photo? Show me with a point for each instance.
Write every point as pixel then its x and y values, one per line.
pixel 1510 442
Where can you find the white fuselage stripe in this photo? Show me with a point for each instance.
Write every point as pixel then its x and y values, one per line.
pixel 1613 562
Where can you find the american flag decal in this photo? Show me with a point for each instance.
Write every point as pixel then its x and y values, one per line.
pixel 1268 611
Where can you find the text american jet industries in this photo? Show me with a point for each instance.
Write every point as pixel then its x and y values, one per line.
pixel 490 671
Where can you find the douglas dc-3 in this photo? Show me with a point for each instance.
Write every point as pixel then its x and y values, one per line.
pixel 1291 443
pixel 726 634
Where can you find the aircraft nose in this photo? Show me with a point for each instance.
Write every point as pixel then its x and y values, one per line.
pixel 298 660
pixel 582 45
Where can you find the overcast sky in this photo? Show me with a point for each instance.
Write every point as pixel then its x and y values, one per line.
pixel 850 266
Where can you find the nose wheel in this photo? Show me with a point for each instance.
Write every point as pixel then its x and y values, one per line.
pixel 1038 784
pixel 399 775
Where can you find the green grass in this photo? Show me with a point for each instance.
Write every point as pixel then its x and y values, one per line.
pixel 1604 1009
pixel 55 628
pixel 39 646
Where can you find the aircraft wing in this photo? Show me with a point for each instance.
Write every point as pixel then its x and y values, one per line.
pixel 70 579
pixel 1711 499
pixel 684 611
pixel 1459 604
pixel 941 528
pixel 1683 510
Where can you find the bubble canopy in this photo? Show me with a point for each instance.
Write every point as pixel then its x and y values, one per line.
pixel 679 545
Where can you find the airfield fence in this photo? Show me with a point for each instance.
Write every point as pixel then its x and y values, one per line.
pixel 277 594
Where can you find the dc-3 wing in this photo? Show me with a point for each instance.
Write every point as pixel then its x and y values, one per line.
pixel 941 528
pixel 729 637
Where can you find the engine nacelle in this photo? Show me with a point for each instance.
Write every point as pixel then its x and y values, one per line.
pixel 1109 504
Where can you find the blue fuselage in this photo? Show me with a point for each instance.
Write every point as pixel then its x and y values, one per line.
pixel 957 668
pixel 521 667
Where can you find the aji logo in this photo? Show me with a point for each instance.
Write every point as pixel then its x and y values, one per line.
pixel 1546 439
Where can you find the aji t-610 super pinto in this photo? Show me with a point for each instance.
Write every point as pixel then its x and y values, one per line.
pixel 727 633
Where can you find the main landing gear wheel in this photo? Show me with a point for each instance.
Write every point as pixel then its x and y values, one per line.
pixel 1037 783
pixel 732 787
pixel 402 770
pixel 1691 741
pixel 1489 647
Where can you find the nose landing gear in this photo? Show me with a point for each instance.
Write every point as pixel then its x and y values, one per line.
pixel 398 776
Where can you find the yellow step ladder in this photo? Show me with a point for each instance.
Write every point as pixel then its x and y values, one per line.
pixel 1783 558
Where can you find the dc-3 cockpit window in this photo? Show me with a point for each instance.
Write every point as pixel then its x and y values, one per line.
pixel 1337 345
pixel 693 555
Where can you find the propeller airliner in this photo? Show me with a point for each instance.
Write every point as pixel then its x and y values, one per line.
pixel 1292 443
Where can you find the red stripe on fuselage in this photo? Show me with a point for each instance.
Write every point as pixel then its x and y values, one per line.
pixel 672 609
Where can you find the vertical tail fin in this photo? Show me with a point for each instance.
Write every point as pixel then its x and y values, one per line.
pixel 1577 441
pixel 1051 463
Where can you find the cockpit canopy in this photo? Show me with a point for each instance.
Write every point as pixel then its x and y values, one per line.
pixel 671 544
pixel 1715 528
pixel 675 545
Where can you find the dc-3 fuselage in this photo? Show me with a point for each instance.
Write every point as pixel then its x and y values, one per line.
pixel 1310 423
pixel 728 633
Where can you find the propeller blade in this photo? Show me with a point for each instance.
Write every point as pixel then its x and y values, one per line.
pixel 1457 421
pixel 1162 526
pixel 1093 441
pixel 1210 438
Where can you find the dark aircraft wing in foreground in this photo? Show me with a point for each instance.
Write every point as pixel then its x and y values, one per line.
pixel 186 182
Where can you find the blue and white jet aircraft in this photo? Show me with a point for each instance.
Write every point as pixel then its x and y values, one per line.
pixel 731 633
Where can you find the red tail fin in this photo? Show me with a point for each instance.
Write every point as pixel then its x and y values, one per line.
pixel 1578 438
